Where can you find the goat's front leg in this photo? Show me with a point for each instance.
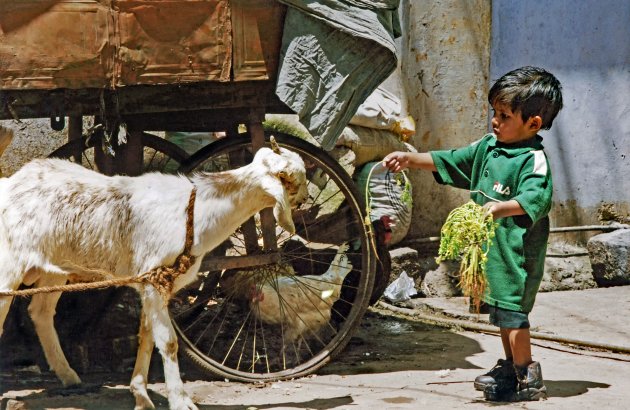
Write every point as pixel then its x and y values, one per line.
pixel 141 369
pixel 42 312
pixel 156 310
pixel 8 282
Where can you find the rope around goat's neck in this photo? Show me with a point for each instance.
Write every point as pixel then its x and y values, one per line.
pixel 162 277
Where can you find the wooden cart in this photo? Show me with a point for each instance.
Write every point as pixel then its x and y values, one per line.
pixel 201 65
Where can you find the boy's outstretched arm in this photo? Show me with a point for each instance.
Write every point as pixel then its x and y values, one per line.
pixel 398 161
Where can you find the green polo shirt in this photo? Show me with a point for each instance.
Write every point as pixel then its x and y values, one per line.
pixel 491 169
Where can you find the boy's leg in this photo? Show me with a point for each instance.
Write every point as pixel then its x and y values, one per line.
pixel 528 373
pixel 519 345
pixel 529 381
pixel 503 370
pixel 505 340
pixel 500 383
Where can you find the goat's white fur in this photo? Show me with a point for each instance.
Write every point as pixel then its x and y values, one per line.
pixel 56 216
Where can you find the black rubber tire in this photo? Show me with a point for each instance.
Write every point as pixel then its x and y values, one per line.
pixel 219 327
pixel 160 154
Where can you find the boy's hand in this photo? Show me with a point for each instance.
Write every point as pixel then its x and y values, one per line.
pixel 489 209
pixel 503 209
pixel 396 161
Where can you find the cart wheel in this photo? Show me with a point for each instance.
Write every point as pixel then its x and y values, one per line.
pixel 285 312
pixel 159 154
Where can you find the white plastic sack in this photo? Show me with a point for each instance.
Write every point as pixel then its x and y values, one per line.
pixel 383 110
pixel 401 289
pixel 380 110
pixel 371 144
pixel 386 196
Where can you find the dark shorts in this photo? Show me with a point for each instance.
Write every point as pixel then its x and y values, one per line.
pixel 509 319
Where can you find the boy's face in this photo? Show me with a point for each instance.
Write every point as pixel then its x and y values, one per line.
pixel 509 127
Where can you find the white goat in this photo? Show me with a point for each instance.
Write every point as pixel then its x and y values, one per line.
pixel 58 218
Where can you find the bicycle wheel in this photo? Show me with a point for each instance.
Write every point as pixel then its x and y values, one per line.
pixel 158 154
pixel 284 312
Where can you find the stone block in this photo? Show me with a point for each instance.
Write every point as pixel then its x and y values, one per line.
pixel 567 267
pixel 442 282
pixel 410 260
pixel 610 258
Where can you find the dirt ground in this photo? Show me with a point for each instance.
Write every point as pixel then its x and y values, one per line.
pixel 392 362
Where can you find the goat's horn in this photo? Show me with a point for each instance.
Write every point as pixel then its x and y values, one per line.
pixel 274 145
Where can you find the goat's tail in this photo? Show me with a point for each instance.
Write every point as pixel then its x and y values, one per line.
pixel 6 135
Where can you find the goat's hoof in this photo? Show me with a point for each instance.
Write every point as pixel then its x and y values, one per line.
pixel 143 402
pixel 71 379
pixel 182 403
pixel 145 405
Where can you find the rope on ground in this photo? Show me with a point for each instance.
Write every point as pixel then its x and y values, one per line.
pixel 481 327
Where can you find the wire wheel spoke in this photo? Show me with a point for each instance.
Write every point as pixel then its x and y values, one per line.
pixel 261 321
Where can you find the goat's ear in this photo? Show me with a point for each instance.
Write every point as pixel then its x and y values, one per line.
pixel 282 208
pixel 282 213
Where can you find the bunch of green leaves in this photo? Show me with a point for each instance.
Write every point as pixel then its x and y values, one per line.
pixel 467 235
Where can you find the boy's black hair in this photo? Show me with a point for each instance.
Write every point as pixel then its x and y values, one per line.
pixel 530 90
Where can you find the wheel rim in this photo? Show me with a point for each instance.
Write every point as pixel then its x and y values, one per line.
pixel 289 318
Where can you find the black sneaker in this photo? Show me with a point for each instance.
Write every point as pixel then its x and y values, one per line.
pixel 530 386
pixel 503 370
pixel 503 390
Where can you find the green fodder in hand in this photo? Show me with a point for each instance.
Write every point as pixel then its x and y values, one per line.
pixel 467 234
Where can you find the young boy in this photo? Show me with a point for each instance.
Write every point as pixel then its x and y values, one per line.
pixel 508 173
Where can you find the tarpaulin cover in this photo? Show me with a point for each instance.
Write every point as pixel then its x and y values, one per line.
pixel 334 54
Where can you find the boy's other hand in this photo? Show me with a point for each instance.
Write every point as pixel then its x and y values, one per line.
pixel 489 209
pixel 503 209
pixel 396 161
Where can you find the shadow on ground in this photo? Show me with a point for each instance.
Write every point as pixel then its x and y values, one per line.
pixel 316 404
pixel 384 343
pixel 570 388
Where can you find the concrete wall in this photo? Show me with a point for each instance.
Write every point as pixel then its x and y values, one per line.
pixel 586 44
pixel 453 50
pixel 445 72
pixel 33 138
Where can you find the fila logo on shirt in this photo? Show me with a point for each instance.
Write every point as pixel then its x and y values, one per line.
pixel 498 187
